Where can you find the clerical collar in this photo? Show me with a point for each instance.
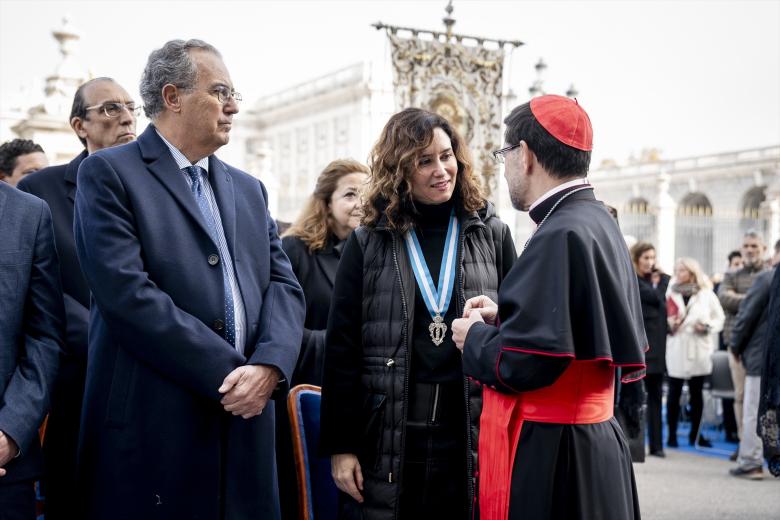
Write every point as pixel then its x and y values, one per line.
pixel 543 204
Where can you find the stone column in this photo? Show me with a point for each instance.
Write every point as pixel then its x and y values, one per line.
pixel 665 224
pixel 259 155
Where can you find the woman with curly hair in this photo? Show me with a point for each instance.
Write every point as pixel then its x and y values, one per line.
pixel 398 416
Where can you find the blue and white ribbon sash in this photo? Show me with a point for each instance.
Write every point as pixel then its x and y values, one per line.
pixel 437 299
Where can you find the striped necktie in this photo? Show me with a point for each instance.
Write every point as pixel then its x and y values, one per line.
pixel 196 173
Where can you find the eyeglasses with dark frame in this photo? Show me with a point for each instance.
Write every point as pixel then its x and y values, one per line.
pixel 114 109
pixel 498 155
pixel 224 94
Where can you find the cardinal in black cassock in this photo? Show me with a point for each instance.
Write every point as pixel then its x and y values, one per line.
pixel 568 314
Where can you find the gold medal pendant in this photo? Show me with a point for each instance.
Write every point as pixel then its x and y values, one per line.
pixel 437 329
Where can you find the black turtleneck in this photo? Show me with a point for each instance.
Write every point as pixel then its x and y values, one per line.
pixel 429 363
pixel 539 212
pixel 432 363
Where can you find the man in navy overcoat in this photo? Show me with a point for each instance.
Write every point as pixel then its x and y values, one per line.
pixel 31 338
pixel 196 317
pixel 103 115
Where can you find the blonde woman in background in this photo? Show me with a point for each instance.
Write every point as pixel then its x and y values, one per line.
pixel 695 316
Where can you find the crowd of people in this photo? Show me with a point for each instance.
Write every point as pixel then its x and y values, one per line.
pixel 686 321
pixel 153 314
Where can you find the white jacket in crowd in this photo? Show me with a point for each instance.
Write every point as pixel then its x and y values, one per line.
pixel 689 353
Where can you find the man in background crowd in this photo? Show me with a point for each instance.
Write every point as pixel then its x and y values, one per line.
pixel 20 157
pixel 734 263
pixel 731 292
pixel 748 340
pixel 103 115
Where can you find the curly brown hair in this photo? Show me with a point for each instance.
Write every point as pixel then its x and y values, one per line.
pixel 314 224
pixel 637 250
pixel 393 162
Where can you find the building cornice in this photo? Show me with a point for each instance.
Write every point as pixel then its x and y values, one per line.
pixel 701 166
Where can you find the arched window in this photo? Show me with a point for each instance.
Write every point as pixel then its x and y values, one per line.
pixel 638 220
pixel 750 210
pixel 694 226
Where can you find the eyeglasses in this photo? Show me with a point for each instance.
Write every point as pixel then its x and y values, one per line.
pixel 498 155
pixel 224 94
pixel 113 109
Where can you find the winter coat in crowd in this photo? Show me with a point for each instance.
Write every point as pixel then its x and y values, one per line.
pixel 688 353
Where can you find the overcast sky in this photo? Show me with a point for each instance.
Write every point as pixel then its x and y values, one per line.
pixel 688 78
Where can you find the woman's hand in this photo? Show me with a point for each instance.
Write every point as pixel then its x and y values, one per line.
pixel 461 326
pixel 674 325
pixel 346 472
pixel 701 328
pixel 486 307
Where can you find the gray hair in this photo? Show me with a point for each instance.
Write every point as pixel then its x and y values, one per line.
pixel 752 233
pixel 170 64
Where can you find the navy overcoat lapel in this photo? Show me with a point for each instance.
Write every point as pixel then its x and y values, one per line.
pixel 160 163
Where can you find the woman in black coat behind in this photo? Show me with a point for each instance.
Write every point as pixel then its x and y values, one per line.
pixel 314 242
pixel 652 292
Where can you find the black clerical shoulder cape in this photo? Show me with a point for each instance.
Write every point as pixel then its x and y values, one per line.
pixel 569 313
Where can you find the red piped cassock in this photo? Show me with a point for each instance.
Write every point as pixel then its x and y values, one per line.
pixel 569 314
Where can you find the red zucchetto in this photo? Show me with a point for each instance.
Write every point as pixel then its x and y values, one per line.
pixel 565 119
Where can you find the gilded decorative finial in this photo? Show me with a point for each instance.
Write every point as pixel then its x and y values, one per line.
pixel 448 20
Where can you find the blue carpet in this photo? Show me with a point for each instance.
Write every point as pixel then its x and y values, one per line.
pixel 721 448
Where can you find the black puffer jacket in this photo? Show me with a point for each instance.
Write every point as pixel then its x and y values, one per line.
pixel 654 315
pixel 368 419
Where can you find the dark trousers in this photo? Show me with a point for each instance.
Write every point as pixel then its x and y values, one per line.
pixel 434 478
pixel 61 442
pixel 17 500
pixel 673 405
pixel 654 389
pixel 729 420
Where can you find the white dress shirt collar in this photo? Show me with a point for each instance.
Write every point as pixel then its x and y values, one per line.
pixel 180 158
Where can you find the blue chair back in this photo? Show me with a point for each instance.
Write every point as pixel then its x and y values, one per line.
pixel 318 495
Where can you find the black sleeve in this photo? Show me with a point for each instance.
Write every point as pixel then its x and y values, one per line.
pixel 508 252
pixel 505 369
pixel 76 327
pixel 309 366
pixel 341 394
pixel 649 294
pixel 25 400
pixel 309 359
pixel 751 309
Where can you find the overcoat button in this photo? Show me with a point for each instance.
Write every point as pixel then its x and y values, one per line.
pixel 213 259
pixel 218 325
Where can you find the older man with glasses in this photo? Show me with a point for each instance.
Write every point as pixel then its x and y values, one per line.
pixel 103 115
pixel 197 315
